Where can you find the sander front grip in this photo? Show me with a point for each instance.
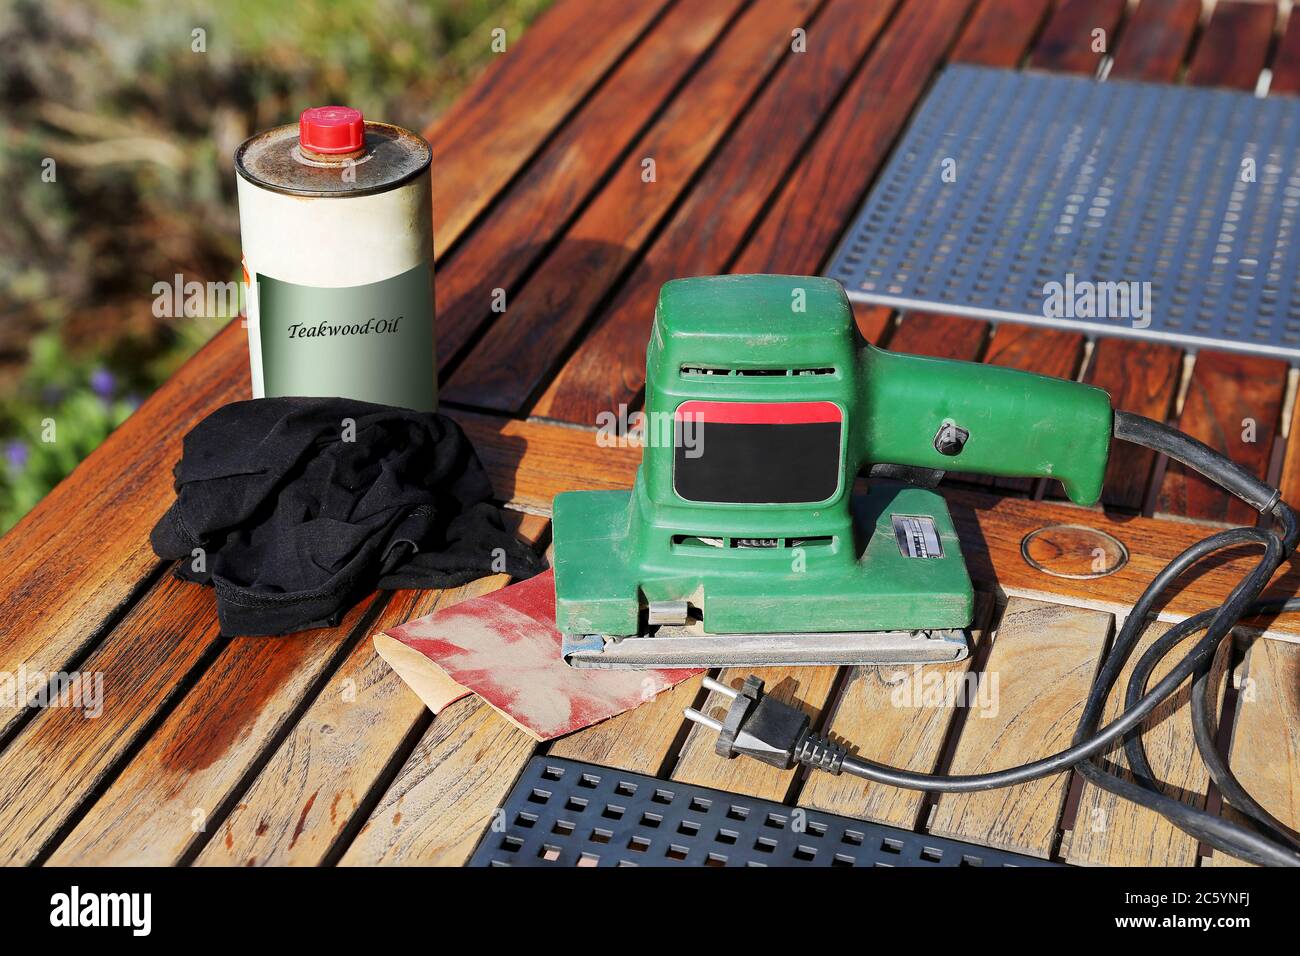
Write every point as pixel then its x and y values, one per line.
pixel 1000 421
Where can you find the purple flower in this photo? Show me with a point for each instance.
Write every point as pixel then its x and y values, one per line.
pixel 16 455
pixel 102 383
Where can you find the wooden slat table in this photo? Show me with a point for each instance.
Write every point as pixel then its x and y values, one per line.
pixel 309 750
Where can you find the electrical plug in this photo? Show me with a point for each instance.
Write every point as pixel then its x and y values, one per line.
pixel 767 729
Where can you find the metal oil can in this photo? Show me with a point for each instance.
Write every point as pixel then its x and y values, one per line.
pixel 336 221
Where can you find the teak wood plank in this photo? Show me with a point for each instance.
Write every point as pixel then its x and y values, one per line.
pixel 798 232
pixel 62 755
pixel 1155 40
pixel 1069 43
pixel 808 687
pixel 514 356
pixel 642 740
pixel 178 784
pixel 1000 32
pixel 534 209
pixel 1044 657
pixel 447 793
pixel 608 368
pixel 1233 402
pixel 499 123
pixel 307 795
pixel 1265 750
pixel 1111 831
pixel 899 715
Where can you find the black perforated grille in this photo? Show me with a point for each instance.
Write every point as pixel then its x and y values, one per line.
pixel 568 813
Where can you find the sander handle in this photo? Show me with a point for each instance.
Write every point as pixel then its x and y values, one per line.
pixel 984 419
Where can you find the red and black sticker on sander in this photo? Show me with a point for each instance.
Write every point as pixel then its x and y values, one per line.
pixel 757 452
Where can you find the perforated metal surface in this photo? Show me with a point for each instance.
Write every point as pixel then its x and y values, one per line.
pixel 568 813
pixel 1007 181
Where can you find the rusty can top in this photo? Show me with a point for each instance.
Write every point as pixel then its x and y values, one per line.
pixel 388 157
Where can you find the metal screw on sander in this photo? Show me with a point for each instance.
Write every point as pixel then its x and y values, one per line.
pixel 950 439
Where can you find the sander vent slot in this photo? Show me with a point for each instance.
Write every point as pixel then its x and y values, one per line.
pixel 694 370
pixel 691 541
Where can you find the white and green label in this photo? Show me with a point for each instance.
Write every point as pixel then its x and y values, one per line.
pixel 370 342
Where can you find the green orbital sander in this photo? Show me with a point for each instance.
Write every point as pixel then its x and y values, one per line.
pixel 742 541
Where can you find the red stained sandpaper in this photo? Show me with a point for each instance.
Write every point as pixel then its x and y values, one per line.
pixel 505 648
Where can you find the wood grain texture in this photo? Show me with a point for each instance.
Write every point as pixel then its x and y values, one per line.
pixel 898 716
pixel 1155 40
pixel 62 756
pixel 1067 42
pixel 1234 46
pixel 492 130
pixel 798 232
pixel 644 740
pixel 1043 660
pixel 1227 391
pixel 306 796
pixel 1000 32
pixel 1231 398
pixel 1265 750
pixel 808 687
pixel 175 787
pixel 515 355
pixel 1111 831
pixel 608 368
pixel 448 791
pixel 532 212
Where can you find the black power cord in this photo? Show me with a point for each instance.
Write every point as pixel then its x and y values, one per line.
pixel 769 730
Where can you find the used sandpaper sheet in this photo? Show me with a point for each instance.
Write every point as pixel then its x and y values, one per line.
pixel 504 647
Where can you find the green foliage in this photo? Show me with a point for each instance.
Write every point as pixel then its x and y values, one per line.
pixel 58 415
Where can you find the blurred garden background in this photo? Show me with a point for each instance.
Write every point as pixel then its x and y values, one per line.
pixel 116 136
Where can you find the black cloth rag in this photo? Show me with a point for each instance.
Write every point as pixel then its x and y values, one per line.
pixel 296 508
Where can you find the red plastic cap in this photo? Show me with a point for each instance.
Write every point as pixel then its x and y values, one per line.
pixel 331 129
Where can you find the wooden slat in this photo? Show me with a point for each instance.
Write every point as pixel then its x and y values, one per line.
pixel 513 358
pixel 809 687
pixel 704 232
pixel 939 336
pixel 1155 40
pixel 883 714
pixel 999 32
pixel 1067 46
pixel 1111 831
pixel 494 127
pixel 1265 752
pixel 516 232
pixel 192 763
pixel 305 797
pixel 1228 390
pixel 447 793
pixel 1044 658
